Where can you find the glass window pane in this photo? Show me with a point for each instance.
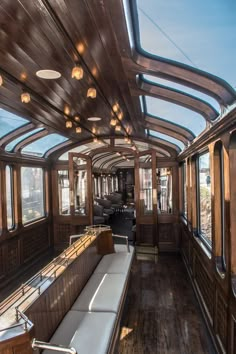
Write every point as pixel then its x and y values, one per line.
pixel 145 180
pixel 163 33
pixel 167 138
pixel 176 114
pixel 10 122
pixel 9 197
pixel 204 181
pixel 42 145
pixel 32 193
pixel 164 190
pixel 63 192
pixel 14 142
pixel 80 185
pixel 184 89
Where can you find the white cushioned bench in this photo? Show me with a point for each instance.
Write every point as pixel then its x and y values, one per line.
pixel 91 325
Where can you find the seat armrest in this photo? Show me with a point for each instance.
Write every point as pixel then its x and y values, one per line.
pixel 124 238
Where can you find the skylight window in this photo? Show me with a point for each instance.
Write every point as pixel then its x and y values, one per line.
pixel 40 146
pixel 14 142
pixel 199 33
pixel 184 89
pixel 10 122
pixel 176 114
pixel 168 138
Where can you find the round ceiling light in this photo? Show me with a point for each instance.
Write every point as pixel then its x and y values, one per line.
pixel 94 119
pixel 48 74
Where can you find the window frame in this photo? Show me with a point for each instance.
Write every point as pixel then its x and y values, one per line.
pixel 200 234
pixel 184 179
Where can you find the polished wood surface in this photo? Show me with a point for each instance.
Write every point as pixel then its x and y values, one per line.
pixel 162 315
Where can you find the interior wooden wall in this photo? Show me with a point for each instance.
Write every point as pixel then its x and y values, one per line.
pixel 214 287
pixel 24 244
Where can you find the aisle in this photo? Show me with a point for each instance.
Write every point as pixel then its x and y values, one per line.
pixel 162 315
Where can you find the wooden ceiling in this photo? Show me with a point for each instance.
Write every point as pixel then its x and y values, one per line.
pixel 56 34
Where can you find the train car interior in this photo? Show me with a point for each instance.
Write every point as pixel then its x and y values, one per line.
pixel 117 167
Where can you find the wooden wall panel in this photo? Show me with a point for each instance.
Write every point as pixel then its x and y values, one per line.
pixel 168 237
pixel 22 249
pixel 35 241
pixel 54 303
pixel 12 256
pixel 221 325
pixel 204 283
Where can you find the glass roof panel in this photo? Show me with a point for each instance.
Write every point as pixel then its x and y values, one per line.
pixel 40 146
pixel 199 33
pixel 168 138
pixel 184 89
pixel 10 122
pixel 176 114
pixel 16 141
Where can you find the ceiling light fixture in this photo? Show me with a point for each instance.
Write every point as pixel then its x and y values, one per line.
pixel 115 107
pixel 67 110
pixel 118 128
pixel 92 93
pixel 48 74
pixel 113 122
pixel 78 130
pixel 1 80
pixel 25 97
pixel 120 116
pixel 95 140
pixel 94 119
pixel 77 72
pixel 68 124
pixel 77 118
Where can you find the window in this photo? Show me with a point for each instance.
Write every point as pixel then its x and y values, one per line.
pixel 176 114
pixel 184 189
pixel 9 197
pixel 63 192
pixel 204 198
pixel 40 146
pixel 16 141
pixel 10 122
pixel 32 193
pixel 164 190
pixel 168 138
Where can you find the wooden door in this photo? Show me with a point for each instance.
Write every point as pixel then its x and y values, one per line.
pixel 80 184
pixel 146 198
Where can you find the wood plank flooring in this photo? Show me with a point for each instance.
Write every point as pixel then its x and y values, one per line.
pixel 161 315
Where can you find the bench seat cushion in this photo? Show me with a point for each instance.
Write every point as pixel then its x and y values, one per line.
pixel 103 292
pixel 87 332
pixel 119 262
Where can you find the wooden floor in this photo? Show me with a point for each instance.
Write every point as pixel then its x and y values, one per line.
pixel 162 315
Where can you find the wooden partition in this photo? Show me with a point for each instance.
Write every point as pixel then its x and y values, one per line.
pixel 48 296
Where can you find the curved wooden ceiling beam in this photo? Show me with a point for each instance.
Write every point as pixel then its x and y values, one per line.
pixel 6 139
pixel 175 96
pixel 170 127
pixel 168 151
pixel 166 143
pixel 167 131
pixel 178 72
